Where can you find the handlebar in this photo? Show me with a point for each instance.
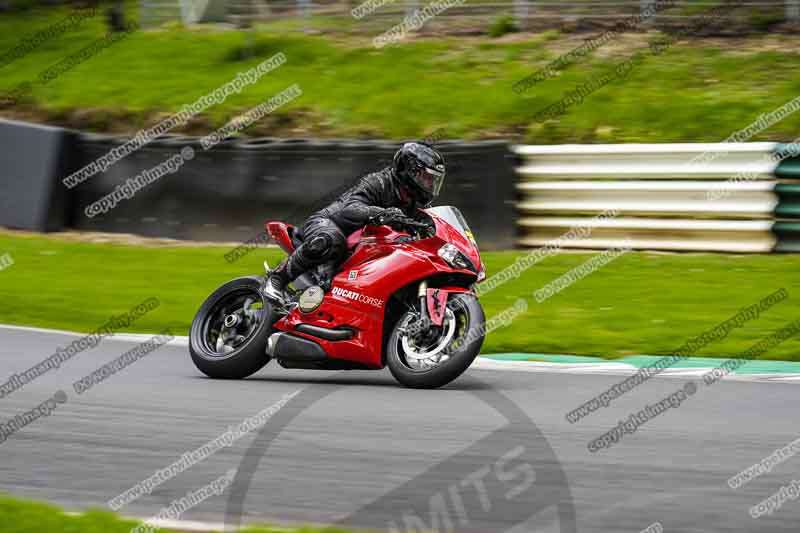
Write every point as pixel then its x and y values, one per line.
pixel 418 229
pixel 396 219
pixel 414 224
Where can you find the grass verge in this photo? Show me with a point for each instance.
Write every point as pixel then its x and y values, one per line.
pixel 641 303
pixel 464 85
pixel 18 516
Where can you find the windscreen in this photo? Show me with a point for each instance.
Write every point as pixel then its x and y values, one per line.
pixel 453 216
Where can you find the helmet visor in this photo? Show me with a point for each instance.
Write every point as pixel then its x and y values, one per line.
pixel 430 179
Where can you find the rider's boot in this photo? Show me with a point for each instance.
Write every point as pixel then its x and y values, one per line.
pixel 275 286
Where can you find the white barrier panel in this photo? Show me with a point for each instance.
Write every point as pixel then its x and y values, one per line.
pixel 690 197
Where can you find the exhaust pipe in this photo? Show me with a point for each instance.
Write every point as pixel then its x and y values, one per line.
pixel 282 345
pixel 271 342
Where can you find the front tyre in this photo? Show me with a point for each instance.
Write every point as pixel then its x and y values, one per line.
pixel 424 357
pixel 228 337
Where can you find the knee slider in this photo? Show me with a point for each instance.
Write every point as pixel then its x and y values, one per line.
pixel 320 246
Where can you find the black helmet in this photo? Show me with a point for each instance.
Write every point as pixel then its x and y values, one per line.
pixel 420 169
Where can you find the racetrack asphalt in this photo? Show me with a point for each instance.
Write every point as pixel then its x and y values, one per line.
pixel 365 436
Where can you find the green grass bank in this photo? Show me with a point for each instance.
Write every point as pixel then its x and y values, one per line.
pixel 711 87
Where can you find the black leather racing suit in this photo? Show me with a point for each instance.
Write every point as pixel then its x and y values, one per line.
pixel 325 232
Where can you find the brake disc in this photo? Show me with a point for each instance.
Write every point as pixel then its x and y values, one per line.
pixel 431 355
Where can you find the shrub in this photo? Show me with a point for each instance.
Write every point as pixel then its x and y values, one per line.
pixel 501 26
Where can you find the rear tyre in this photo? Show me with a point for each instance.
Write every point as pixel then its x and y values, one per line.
pixel 228 337
pixel 452 353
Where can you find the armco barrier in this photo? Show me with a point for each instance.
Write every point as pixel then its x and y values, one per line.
pixel 740 197
pixel 227 193
pixel 30 158
pixel 734 197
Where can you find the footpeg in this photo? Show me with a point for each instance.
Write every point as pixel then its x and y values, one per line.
pixel 274 294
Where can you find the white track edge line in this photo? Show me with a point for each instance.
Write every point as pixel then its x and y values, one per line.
pixel 196 525
pixel 485 363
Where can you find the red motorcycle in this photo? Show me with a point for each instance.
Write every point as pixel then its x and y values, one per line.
pixel 401 298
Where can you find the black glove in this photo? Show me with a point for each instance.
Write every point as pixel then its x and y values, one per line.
pixel 391 216
pixel 396 219
pixel 430 228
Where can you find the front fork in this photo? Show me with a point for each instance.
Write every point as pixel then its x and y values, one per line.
pixel 432 304
pixel 423 325
pixel 432 309
pixel 422 295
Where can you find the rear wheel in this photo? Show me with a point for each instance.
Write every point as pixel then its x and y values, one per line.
pixel 424 356
pixel 228 337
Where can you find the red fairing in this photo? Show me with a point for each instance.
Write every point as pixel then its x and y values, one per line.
pixel 354 239
pixel 447 233
pixel 379 265
pixel 280 232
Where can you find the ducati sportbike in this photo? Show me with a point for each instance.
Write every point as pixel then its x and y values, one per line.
pixel 402 297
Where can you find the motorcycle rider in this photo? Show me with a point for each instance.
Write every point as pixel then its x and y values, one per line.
pixel 390 196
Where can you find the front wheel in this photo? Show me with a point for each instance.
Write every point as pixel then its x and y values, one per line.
pixel 422 356
pixel 228 338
